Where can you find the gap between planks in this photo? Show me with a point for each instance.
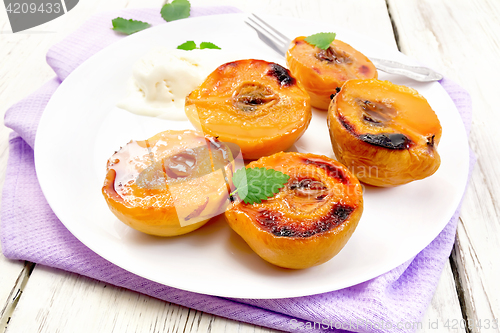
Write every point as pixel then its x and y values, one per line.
pixel 453 257
pixel 25 273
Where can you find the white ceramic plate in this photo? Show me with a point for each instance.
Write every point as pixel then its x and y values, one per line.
pixel 81 128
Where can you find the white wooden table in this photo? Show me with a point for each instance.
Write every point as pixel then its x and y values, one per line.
pixel 461 38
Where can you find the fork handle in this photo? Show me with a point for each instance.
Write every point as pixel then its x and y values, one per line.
pixel 418 73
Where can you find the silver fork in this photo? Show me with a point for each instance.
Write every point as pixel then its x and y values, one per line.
pixel 280 43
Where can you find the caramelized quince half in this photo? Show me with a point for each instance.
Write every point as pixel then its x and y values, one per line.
pixel 323 71
pixel 386 134
pixel 255 104
pixel 309 220
pixel 170 184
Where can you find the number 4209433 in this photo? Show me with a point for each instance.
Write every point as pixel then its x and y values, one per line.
pixel 24 8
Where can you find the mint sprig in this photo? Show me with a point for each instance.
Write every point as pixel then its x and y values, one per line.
pixel 256 184
pixel 321 40
pixel 176 10
pixel 191 45
pixel 128 27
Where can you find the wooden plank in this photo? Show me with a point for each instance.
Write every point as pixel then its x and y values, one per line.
pixel 64 302
pixel 11 272
pixel 12 280
pixel 444 308
pixel 468 52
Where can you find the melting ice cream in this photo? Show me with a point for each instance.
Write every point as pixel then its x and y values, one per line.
pixel 163 78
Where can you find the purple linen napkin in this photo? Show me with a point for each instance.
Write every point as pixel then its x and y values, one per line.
pixel 392 302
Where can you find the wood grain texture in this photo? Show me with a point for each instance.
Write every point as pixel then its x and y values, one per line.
pixel 367 17
pixel 14 275
pixel 10 272
pixel 444 306
pixel 465 47
pixel 64 302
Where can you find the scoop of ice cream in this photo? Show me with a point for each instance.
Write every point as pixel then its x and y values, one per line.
pixel 163 78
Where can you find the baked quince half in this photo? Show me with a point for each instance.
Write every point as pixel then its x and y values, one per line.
pixel 386 134
pixel 323 71
pixel 170 184
pixel 257 105
pixel 309 220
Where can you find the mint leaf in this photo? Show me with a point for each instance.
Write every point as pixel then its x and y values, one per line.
pixel 208 45
pixel 321 40
pixel 256 184
pixel 176 10
pixel 128 26
pixel 240 182
pixel 189 45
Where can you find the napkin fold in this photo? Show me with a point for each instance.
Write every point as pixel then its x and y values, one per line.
pixel 393 302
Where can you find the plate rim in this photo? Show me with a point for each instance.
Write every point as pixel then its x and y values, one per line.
pixel 43 181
